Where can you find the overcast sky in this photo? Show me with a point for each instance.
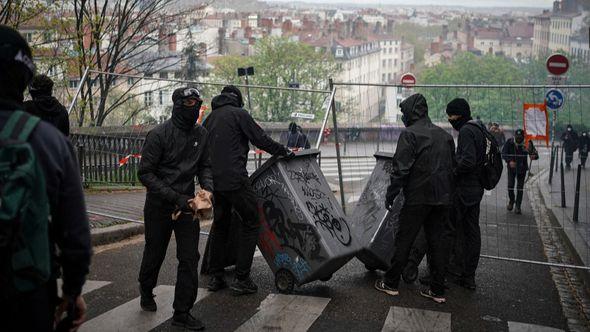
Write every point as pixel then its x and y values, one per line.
pixel 472 3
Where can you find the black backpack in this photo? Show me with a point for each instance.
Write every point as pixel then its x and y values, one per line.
pixel 491 170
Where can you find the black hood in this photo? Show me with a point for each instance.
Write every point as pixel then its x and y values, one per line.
pixel 48 105
pixel 414 108
pixel 224 99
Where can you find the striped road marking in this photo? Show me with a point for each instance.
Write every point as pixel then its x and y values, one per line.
pixel 409 319
pixel 279 312
pixel 523 327
pixel 129 317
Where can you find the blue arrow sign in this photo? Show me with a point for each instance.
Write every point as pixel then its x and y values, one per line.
pixel 554 99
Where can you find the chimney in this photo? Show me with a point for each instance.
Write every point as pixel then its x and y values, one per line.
pixel 556 6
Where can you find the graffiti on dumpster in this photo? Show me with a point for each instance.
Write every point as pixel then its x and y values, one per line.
pixel 300 237
pixel 372 201
pixel 336 226
pixel 298 266
pixel 309 181
pixel 269 188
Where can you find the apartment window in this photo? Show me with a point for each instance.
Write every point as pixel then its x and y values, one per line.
pixel 399 90
pixel 149 75
pixel 384 63
pixel 382 77
pixel 339 52
pixel 163 74
pixel 147 98
pixel 161 97
pixel 389 77
pixel 74 83
pixel 29 37
pixel 390 62
pixel 47 38
pixel 130 81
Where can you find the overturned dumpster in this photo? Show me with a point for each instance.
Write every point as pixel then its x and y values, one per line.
pixel 374 225
pixel 304 234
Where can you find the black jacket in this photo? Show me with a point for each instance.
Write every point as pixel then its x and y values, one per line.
pixel 519 153
pixel 570 141
pixel 69 228
pixel 470 156
pixel 584 145
pixel 50 110
pixel 171 158
pixel 297 140
pixel 423 160
pixel 231 128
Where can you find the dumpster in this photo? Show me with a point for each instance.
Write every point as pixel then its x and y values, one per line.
pixel 304 233
pixel 374 225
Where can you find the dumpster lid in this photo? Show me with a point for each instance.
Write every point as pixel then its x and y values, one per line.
pixel 381 154
pixel 273 160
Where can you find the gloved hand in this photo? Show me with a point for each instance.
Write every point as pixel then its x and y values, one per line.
pixel 290 155
pixel 182 202
pixel 389 198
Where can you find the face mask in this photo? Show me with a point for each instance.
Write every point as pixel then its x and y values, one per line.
pixel 457 123
pixel 405 120
pixel 185 116
pixel 519 139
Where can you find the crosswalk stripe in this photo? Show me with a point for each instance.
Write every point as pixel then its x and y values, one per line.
pixel 89 286
pixel 129 317
pixel 410 319
pixel 523 327
pixel 279 312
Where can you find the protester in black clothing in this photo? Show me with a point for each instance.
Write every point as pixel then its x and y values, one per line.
pixel 516 154
pixel 296 138
pixel 231 128
pixel 423 169
pixel 569 144
pixel 173 154
pixel 584 148
pixel 469 192
pixel 69 231
pixel 45 106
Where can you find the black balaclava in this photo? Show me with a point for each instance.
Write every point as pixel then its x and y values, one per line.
pixel 185 117
pixel 459 106
pixel 519 136
pixel 16 65
pixel 41 86
pixel 413 109
pixel 233 90
pixel 293 127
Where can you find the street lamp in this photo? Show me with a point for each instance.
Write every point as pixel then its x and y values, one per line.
pixel 248 71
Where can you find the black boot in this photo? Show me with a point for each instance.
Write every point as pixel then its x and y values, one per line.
pixel 246 286
pixel 147 300
pixel 216 283
pixel 187 321
pixel 517 210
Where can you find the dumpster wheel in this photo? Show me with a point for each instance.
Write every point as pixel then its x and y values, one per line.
pixel 284 281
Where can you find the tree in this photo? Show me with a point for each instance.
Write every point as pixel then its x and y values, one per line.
pixel 117 37
pixel 15 12
pixel 277 62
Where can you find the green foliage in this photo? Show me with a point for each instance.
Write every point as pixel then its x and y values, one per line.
pixel 503 105
pixel 277 62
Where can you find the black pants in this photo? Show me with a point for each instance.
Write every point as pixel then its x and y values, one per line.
pixel 569 157
pixel 32 311
pixel 518 177
pixel 158 229
pixel 419 249
pixel 465 239
pixel 434 219
pixel 245 202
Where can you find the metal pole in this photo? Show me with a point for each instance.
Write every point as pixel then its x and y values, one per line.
pixel 336 142
pixel 551 165
pixel 562 186
pixel 556 158
pixel 248 90
pixel 325 122
pixel 577 197
pixel 82 79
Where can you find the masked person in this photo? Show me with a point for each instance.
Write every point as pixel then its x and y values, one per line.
pixel 516 154
pixel 569 141
pixel 584 147
pixel 296 138
pixel 231 129
pixel 471 147
pixel 498 134
pixel 45 106
pixel 173 154
pixel 423 169
pixel 60 247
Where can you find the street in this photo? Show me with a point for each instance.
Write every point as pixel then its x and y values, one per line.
pixel 510 296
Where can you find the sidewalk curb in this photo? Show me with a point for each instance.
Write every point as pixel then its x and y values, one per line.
pixel 116 233
pixel 569 228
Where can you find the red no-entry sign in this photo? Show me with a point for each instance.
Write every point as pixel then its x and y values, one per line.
pixel 408 79
pixel 558 64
